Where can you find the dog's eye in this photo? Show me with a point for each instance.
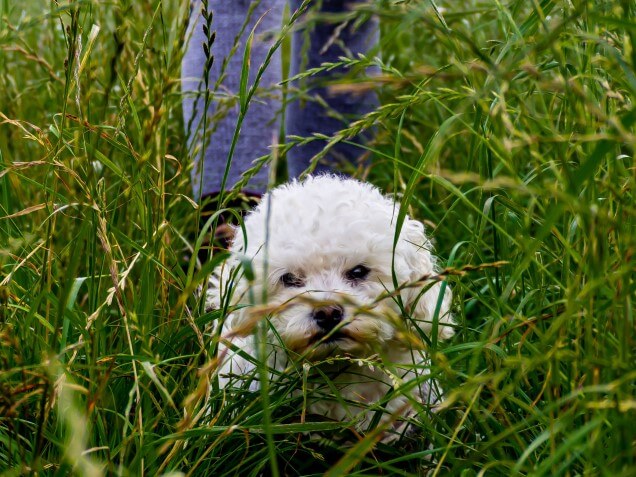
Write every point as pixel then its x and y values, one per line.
pixel 357 273
pixel 290 280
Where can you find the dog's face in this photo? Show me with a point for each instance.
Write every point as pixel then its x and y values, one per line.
pixel 325 259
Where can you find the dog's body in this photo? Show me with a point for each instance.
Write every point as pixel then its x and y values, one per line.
pixel 324 265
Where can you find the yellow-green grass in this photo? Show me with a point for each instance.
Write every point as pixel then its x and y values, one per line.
pixel 508 127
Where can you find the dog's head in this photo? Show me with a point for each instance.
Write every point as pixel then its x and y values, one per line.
pixel 324 263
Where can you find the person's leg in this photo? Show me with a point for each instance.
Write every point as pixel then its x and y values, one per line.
pixel 260 127
pixel 306 116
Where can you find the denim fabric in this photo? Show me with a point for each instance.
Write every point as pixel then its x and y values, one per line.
pixel 317 112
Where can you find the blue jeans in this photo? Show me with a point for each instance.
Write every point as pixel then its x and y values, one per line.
pixel 311 108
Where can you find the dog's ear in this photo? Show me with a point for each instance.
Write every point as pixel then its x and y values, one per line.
pixel 221 286
pixel 422 301
pixel 225 285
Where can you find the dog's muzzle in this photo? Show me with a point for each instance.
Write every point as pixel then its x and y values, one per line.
pixel 328 317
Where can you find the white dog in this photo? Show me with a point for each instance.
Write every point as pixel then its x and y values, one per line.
pixel 318 264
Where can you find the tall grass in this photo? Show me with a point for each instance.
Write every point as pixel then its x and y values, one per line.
pixel 507 126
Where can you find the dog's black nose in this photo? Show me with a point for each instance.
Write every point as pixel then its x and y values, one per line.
pixel 327 317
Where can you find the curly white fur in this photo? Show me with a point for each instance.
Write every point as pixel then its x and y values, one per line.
pixel 302 243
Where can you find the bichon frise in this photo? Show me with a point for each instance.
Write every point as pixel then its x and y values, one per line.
pixel 319 265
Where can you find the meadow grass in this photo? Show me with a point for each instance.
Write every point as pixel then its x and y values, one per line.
pixel 508 127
